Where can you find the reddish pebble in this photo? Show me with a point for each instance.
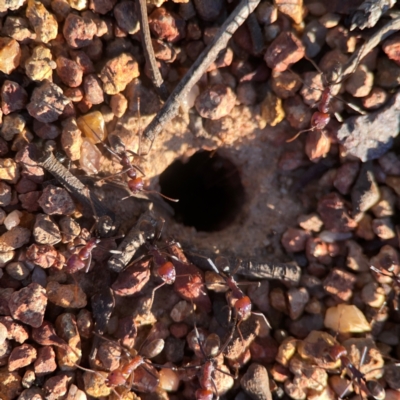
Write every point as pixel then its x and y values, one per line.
pixel 55 200
pixel 47 102
pixel 334 213
pixel 376 98
pixel 46 131
pixel 284 51
pixel 56 387
pixel 29 201
pixel 21 356
pixel 340 284
pixel 13 97
pixel 69 71
pixel 43 255
pixel 78 31
pixel 29 304
pixel 215 102
pixel 132 280
pixel 391 47
pixel 102 6
pixel 345 176
pixel 294 239
pixel 15 330
pixel 166 25
pixel 93 89
pixel 46 361
pixel 179 329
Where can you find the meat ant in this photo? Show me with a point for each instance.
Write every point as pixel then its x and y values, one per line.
pixel 83 258
pixel 242 305
pixel 321 118
pixel 135 183
pixel 136 364
pixel 338 352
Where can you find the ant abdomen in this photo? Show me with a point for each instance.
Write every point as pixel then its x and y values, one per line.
pixel 74 264
pixel 136 185
pixel 204 394
pixel 320 120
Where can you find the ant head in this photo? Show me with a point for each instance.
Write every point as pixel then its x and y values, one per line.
pixel 204 394
pixel 115 378
pixel 167 273
pixel 243 308
pixel 337 351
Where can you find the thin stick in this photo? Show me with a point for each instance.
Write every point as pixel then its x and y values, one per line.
pixel 156 77
pixel 136 237
pixel 206 58
pixel 387 30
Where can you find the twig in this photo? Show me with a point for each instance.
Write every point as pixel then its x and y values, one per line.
pixel 288 272
pixel 387 30
pixel 136 237
pixel 206 58
pixel 156 77
pixel 369 12
pixel 81 192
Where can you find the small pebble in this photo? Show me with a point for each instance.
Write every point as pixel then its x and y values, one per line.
pixel 29 304
pixel 255 382
pixel 14 238
pixel 383 228
pixel 66 296
pixel 21 356
pixel 69 72
pixel 215 102
pixel 10 55
pixel 118 72
pixel 13 97
pixel 45 231
pixel 78 31
pixel 17 270
pixel 93 89
pixel 284 51
pixel 166 25
pixel 346 318
pixel 55 200
pixel 5 195
pixel 44 23
pixel 47 102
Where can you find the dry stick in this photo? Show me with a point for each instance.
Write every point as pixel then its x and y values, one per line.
pixel 289 272
pixel 387 30
pixel 368 13
pixel 156 77
pixel 74 185
pixel 199 67
pixel 136 237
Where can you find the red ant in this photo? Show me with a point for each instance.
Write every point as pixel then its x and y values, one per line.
pixel 321 118
pixel 339 352
pixel 135 183
pixel 83 259
pixel 210 349
pixel 124 375
pixel 241 303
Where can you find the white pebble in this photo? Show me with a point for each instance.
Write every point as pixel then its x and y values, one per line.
pixel 188 101
pixel 13 219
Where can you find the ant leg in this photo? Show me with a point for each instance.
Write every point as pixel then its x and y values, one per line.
pixel 264 317
pixel 152 294
pixel 298 134
pixel 162 195
pixel 88 263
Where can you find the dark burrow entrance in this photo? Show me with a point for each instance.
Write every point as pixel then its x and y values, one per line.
pixel 209 190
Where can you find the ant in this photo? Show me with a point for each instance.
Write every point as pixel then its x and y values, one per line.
pixel 321 118
pixel 135 183
pixel 241 303
pixel 124 375
pixel 210 351
pixel 83 258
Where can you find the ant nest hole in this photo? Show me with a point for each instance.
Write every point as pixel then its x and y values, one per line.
pixel 232 198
